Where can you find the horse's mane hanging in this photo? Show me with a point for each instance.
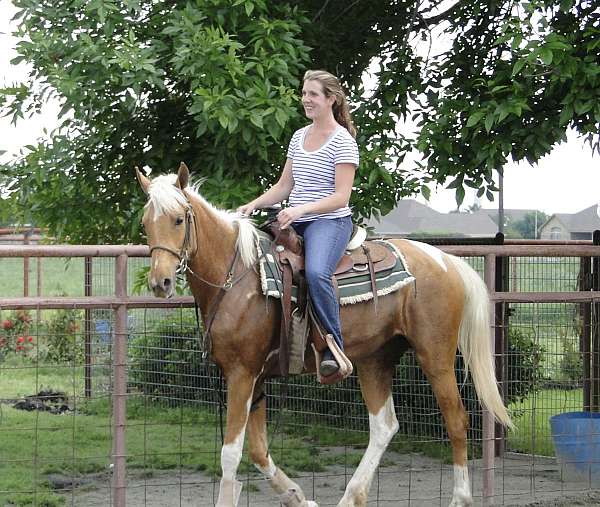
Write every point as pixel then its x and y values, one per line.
pixel 165 198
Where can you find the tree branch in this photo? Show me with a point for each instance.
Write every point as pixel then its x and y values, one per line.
pixel 442 16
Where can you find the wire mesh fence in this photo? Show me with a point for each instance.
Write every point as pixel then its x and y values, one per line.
pixel 58 427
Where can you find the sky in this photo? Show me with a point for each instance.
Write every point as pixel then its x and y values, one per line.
pixel 565 181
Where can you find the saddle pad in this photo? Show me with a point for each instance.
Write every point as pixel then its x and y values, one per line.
pixel 352 289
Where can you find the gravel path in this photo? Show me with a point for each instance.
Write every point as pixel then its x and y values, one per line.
pixel 405 481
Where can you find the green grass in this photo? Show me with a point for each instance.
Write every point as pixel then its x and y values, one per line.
pixel 34 444
pixel 20 378
pixel 532 418
pixel 58 276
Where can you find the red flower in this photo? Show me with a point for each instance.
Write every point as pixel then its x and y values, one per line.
pixel 20 339
pixel 8 324
pixel 19 347
pixel 30 339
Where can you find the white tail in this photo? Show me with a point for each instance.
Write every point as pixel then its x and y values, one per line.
pixel 474 340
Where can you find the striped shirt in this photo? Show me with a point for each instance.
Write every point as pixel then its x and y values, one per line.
pixel 314 171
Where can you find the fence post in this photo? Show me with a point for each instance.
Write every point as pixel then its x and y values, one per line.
pixel 595 373
pixel 26 235
pixel 119 479
pixel 488 437
pixel 87 287
pixel 585 284
pixel 501 318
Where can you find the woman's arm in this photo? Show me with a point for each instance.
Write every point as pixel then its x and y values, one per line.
pixel 344 178
pixel 277 193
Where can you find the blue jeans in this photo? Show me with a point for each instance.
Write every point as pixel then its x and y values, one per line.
pixel 325 240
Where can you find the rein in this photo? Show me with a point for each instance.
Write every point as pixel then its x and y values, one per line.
pixel 184 255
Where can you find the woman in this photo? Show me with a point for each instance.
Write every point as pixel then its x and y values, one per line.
pixel 317 179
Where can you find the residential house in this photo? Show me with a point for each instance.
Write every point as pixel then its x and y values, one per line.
pixel 579 225
pixel 410 217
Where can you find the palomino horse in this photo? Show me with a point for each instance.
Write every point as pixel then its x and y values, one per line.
pixel 449 310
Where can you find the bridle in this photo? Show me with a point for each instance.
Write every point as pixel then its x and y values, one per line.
pixel 184 253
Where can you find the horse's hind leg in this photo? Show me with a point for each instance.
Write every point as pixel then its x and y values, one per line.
pixel 290 494
pixel 240 385
pixel 375 375
pixel 439 369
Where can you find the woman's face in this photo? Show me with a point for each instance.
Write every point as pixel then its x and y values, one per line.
pixel 315 103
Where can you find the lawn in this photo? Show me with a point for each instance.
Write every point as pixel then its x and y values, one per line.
pixel 58 276
pixel 35 444
pixel 532 418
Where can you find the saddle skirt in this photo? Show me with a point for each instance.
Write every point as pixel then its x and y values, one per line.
pixel 374 269
pixel 352 273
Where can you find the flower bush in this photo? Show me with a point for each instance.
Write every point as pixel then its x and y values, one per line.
pixel 15 337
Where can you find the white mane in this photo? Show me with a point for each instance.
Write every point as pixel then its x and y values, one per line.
pixel 165 198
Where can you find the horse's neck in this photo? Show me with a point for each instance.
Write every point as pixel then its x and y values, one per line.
pixel 216 243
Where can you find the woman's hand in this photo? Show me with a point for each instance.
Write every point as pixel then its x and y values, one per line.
pixel 288 215
pixel 246 209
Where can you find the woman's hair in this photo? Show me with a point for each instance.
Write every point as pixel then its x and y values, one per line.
pixel 331 87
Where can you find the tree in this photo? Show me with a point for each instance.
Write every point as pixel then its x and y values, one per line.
pixel 215 83
pixel 529 225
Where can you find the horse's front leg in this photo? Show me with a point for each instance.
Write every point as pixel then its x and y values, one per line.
pixel 290 494
pixel 240 385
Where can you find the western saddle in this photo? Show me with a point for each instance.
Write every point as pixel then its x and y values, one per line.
pixel 363 257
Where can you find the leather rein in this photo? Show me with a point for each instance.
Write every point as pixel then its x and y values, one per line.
pixel 184 255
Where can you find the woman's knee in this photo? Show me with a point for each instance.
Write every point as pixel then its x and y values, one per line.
pixel 317 277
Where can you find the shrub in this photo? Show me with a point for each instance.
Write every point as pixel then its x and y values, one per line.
pixel 167 363
pixel 571 362
pixel 64 340
pixel 15 335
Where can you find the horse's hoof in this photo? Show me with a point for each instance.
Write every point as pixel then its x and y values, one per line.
pixel 459 500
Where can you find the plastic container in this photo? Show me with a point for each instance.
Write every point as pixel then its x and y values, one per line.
pixel 576 438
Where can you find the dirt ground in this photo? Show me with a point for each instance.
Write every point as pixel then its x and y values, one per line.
pixel 405 480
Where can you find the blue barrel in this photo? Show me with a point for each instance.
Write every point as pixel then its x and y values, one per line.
pixel 576 438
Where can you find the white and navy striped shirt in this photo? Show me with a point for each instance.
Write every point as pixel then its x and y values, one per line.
pixel 314 171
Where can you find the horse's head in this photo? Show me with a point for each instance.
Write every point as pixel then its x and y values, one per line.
pixel 170 227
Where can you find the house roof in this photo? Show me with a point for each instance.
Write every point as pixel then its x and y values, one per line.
pixel 586 220
pixel 511 215
pixel 412 217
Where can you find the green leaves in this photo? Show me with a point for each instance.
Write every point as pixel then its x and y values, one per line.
pixel 216 83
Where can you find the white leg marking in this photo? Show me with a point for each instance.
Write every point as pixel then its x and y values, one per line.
pixel 382 427
pixel 231 455
pixel 268 471
pixel 433 252
pixel 290 494
pixel 461 496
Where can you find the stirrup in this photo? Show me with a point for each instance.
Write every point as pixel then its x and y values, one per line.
pixel 345 366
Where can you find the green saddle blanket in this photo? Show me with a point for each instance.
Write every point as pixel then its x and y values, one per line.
pixel 353 289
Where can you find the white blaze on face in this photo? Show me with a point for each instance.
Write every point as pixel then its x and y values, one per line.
pixel 436 254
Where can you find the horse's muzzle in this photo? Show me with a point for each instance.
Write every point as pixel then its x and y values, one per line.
pixel 163 287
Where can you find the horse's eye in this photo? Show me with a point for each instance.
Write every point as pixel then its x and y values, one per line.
pixel 178 221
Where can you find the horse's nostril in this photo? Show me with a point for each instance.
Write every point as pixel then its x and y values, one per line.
pixel 167 282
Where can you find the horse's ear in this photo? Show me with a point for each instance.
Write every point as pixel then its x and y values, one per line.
pixel 144 181
pixel 183 176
